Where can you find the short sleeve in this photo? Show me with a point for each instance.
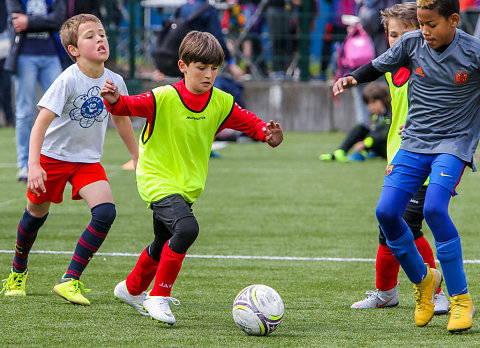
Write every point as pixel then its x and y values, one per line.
pixel 394 58
pixel 55 98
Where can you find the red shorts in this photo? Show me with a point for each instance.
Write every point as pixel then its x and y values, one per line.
pixel 61 172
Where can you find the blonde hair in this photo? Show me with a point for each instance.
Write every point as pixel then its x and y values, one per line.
pixel 69 30
pixel 425 3
pixel 405 12
pixel 202 47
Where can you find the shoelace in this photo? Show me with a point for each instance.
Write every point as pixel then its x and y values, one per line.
pixel 375 293
pixel 13 282
pixel 372 293
pixel 457 309
pixel 5 286
pixel 418 298
pixel 164 303
pixel 78 287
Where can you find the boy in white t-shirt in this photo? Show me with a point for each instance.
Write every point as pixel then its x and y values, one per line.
pixel 66 146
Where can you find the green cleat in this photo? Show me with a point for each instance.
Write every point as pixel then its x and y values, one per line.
pixel 326 157
pixel 340 156
pixel 71 290
pixel 14 285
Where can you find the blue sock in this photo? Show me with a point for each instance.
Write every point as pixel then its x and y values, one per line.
pixel 91 239
pixel 406 253
pixel 449 254
pixel 26 235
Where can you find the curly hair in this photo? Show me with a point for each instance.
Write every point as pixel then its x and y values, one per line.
pixel 444 7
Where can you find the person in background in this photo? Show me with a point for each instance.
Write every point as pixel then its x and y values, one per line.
pixel 372 139
pixel 35 56
pixel 5 76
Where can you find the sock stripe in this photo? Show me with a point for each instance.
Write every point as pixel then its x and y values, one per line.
pixel 73 273
pixel 19 265
pixel 24 245
pixel 23 233
pixel 87 245
pixel 96 233
pixel 80 260
pixel 21 256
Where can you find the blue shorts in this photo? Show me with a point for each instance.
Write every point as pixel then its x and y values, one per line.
pixel 409 170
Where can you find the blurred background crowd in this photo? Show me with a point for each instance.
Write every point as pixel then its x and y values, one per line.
pixel 281 40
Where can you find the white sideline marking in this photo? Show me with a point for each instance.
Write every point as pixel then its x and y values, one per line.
pixel 231 257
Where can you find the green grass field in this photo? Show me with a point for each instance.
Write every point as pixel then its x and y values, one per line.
pixel 258 202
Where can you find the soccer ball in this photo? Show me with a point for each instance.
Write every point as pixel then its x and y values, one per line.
pixel 258 310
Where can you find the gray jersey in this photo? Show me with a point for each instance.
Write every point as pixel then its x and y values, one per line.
pixel 444 94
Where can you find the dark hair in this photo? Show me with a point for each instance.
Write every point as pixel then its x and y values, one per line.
pixel 69 30
pixel 203 47
pixel 444 7
pixel 405 12
pixel 376 91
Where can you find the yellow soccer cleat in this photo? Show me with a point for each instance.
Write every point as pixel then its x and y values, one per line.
pixel 14 285
pixel 462 313
pixel 71 290
pixel 424 296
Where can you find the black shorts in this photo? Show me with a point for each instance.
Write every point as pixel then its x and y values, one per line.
pixel 168 210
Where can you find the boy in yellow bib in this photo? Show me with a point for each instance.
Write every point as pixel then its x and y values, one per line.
pixel 175 144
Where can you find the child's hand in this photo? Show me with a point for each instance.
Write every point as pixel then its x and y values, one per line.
pixel 400 129
pixel 109 92
pixel 36 179
pixel 274 133
pixel 359 147
pixel 343 83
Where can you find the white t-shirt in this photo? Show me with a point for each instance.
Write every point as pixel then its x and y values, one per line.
pixel 78 132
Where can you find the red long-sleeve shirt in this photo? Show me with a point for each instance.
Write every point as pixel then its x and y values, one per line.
pixel 143 105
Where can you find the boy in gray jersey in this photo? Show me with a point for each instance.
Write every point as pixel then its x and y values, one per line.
pixel 440 136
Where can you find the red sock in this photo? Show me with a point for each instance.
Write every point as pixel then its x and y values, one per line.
pixel 167 271
pixel 142 275
pixel 387 268
pixel 427 254
pixel 426 251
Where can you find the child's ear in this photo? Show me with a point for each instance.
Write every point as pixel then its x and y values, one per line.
pixel 454 19
pixel 73 51
pixel 182 66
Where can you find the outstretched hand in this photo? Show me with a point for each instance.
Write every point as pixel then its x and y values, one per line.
pixel 109 92
pixel 342 84
pixel 274 133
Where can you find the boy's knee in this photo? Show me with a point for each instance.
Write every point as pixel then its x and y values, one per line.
pixel 384 214
pixel 432 212
pixel 187 229
pixel 104 213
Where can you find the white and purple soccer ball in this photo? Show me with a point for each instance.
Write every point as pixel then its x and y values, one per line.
pixel 258 310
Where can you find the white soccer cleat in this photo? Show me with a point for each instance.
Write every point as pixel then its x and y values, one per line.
pixel 378 299
pixel 159 309
pixel 442 306
pixel 123 295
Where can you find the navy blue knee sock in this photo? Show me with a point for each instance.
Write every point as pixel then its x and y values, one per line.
pixel 26 235
pixel 91 239
pixel 449 254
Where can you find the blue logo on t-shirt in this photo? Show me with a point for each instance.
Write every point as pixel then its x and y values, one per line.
pixel 89 108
